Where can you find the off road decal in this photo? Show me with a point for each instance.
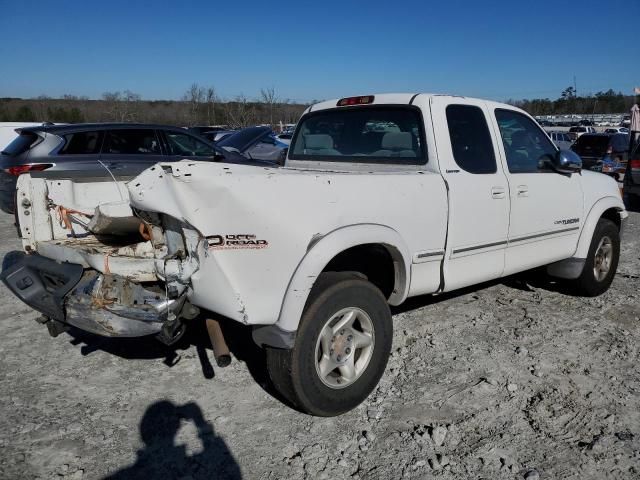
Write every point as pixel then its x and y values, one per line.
pixel 237 241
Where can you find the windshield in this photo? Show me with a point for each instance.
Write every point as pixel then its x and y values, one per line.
pixel 20 144
pixel 244 138
pixel 374 134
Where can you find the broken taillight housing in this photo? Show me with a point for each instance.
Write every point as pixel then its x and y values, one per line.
pixel 34 167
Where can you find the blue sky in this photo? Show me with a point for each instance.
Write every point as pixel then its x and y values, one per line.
pixel 320 50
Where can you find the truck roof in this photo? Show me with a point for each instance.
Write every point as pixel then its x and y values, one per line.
pixel 399 99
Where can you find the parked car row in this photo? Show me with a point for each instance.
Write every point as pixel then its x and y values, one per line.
pixel 576 122
pixel 122 150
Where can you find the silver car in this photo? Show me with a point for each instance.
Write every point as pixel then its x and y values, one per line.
pixel 561 140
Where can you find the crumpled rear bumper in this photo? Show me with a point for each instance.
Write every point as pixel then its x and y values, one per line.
pixel 107 305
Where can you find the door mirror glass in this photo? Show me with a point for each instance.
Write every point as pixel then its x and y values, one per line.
pixel 566 161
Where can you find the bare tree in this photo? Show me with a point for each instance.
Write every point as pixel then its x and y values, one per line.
pixel 194 96
pixel 240 112
pixel 211 105
pixel 269 97
pixel 121 106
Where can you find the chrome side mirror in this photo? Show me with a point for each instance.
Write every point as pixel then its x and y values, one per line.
pixel 567 161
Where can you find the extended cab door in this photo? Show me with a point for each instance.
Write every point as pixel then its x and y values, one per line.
pixel 478 191
pixel 546 206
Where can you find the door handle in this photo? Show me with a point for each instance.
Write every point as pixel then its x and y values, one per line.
pixel 497 192
pixel 522 191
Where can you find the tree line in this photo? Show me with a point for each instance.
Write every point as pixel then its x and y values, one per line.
pixel 202 106
pixel 604 102
pixel 198 106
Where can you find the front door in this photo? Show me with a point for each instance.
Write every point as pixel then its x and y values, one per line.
pixel 478 192
pixel 546 206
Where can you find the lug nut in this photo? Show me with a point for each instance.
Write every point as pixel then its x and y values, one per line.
pixel 341 332
pixel 347 351
pixel 339 358
pixel 349 338
pixel 333 339
pixel 331 352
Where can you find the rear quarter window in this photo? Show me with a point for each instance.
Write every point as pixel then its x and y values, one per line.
pixel 470 139
pixel 21 144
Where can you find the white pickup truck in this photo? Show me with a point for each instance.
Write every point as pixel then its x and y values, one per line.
pixel 382 197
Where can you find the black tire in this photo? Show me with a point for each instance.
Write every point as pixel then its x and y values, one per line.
pixel 587 284
pixel 294 373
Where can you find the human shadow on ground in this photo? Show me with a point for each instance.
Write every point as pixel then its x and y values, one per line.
pixel 161 458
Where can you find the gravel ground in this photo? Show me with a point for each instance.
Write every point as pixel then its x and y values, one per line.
pixel 509 380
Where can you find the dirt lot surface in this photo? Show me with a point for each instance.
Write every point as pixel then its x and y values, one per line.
pixel 506 381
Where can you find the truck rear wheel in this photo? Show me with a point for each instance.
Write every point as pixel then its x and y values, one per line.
pixel 341 349
pixel 602 260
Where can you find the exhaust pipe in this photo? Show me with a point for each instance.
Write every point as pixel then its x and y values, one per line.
pixel 220 348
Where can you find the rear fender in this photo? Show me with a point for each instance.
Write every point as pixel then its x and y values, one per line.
pixel 322 251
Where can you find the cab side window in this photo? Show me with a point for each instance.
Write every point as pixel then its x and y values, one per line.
pixel 526 146
pixel 470 139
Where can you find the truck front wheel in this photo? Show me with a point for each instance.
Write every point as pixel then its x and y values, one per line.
pixel 602 260
pixel 341 349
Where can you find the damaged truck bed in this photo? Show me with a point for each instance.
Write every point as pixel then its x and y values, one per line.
pixel 96 265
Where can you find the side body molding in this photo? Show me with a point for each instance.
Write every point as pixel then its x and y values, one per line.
pixel 320 254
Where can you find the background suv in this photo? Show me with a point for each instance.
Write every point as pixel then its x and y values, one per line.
pixel 594 147
pixel 123 150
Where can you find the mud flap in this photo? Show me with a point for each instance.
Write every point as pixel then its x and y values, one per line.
pixel 41 283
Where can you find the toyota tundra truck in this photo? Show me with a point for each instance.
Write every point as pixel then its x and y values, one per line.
pixel 381 198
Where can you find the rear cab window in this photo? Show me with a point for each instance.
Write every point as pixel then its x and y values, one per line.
pixel 21 144
pixel 374 134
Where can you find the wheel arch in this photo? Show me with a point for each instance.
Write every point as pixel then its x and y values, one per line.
pixel 611 208
pixel 324 250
